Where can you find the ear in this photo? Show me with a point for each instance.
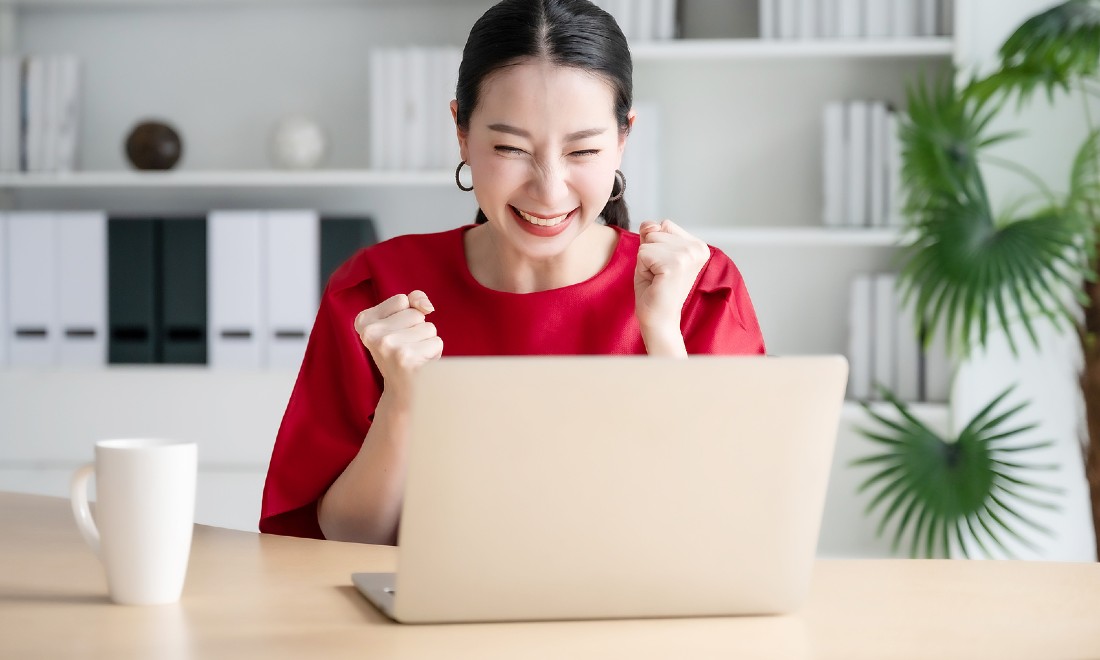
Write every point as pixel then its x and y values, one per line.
pixel 630 117
pixel 462 148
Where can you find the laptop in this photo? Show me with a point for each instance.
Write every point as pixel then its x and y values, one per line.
pixel 596 487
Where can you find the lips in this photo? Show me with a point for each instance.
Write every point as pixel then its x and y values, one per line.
pixel 543 226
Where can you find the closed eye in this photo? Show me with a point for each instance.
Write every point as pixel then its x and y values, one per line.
pixel 509 150
pixel 585 152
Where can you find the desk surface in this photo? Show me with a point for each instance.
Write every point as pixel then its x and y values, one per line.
pixel 252 595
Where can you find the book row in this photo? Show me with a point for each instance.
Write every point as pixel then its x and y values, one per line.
pixel 643 20
pixel 886 345
pixel 862 165
pixel 409 94
pixel 39 113
pixel 237 289
pixel 855 19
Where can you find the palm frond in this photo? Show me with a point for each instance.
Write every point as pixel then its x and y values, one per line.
pixel 969 269
pixel 1049 51
pixel 936 488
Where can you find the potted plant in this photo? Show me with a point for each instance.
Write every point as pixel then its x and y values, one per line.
pixel 969 270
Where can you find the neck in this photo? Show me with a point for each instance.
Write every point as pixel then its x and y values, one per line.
pixel 497 265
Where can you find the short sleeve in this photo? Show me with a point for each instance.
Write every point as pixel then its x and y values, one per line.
pixel 327 417
pixel 718 317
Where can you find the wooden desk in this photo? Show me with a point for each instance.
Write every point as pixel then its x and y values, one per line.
pixel 249 595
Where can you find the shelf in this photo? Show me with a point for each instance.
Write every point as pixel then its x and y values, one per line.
pixel 226 179
pixel 753 49
pixel 138 4
pixel 799 236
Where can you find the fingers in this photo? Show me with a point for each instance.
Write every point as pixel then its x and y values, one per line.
pixel 394 305
pixel 419 300
pixel 375 331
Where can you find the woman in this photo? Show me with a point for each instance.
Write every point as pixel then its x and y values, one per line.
pixel 543 109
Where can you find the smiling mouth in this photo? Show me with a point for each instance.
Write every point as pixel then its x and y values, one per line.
pixel 542 222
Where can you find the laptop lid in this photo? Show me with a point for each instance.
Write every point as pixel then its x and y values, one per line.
pixel 605 487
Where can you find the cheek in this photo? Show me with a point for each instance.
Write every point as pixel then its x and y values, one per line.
pixel 596 178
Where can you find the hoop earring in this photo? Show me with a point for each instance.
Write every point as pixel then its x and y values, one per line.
pixel 622 187
pixel 459 181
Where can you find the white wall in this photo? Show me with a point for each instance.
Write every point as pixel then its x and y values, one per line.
pixel 1047 375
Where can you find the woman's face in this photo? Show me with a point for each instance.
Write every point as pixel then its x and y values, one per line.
pixel 543 146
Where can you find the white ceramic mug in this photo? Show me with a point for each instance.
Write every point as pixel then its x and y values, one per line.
pixel 145 511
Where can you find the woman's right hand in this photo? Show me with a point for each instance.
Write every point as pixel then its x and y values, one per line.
pixel 399 339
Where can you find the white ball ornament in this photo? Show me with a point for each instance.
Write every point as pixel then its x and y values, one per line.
pixel 297 143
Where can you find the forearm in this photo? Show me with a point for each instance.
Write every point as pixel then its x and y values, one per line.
pixel 664 341
pixel 364 503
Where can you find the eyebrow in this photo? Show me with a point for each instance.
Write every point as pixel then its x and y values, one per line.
pixel 572 137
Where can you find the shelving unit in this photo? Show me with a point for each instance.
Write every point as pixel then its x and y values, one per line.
pixel 199 179
pixel 755 49
pixel 739 125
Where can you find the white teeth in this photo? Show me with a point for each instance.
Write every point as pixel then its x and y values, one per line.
pixel 543 222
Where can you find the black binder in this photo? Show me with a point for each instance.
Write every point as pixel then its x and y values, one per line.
pixel 341 237
pixel 132 285
pixel 183 290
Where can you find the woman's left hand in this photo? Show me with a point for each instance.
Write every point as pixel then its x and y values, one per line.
pixel 669 261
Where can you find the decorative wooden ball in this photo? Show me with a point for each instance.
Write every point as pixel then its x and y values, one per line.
pixel 153 145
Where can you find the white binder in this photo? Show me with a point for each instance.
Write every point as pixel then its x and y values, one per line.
pixel 878 171
pixel 5 329
pixel 908 362
pixel 860 352
pixel 292 284
pixel 32 305
pixel 835 165
pixel 10 98
pixel 885 334
pixel 82 288
pixel 235 265
pixel 858 163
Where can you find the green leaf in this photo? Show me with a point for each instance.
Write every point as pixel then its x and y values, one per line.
pixel 930 487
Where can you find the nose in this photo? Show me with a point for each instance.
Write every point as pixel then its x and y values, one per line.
pixel 548 183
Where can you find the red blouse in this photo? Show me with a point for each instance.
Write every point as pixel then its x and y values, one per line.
pixel 333 401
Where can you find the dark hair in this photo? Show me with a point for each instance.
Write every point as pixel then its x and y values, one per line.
pixel 572 33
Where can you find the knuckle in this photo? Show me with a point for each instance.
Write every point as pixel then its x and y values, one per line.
pixel 388 342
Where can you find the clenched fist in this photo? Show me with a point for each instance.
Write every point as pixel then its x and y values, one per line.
pixel 399 339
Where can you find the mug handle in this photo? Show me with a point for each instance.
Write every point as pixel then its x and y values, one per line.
pixel 81 512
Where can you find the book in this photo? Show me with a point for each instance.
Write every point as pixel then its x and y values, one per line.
pixel 856 160
pixel 904 20
pixel 860 347
pixel 908 361
pixel 877 18
pixel 938 368
pixel 878 172
pixel 5 328
pixel 834 166
pixel 769 19
pixel 884 338
pixel 894 194
pixel 666 20
pixel 10 74
pixel 850 19
pixel 788 21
